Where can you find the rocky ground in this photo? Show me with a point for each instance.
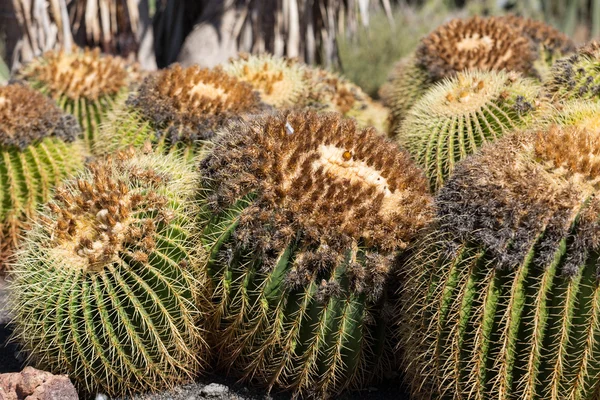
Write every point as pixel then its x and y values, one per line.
pixel 211 387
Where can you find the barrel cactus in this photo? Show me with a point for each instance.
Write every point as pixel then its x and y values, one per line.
pixel 455 117
pixel 104 289
pixel 37 150
pixel 84 83
pixel 503 300
pixel 576 77
pixel 303 215
pixel 281 82
pixel 550 43
pixel 177 110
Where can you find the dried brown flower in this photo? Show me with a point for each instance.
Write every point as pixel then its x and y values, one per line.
pixel 553 41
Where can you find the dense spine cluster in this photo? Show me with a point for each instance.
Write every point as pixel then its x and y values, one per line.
pixel 502 300
pixel 37 151
pixel 106 286
pixel 303 215
pixel 178 109
pixel 84 83
pixel 457 116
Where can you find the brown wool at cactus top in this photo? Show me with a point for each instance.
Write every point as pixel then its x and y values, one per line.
pixel 319 174
pixel 194 100
pixel 528 182
pixel 474 43
pixel 79 74
pixel 541 33
pixel 27 116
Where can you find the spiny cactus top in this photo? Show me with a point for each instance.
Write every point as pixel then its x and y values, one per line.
pixel 455 117
pixel 329 91
pixel 84 83
pixel 503 301
pixel 577 77
pixel 280 81
pixel 178 108
pixel 474 43
pixel 82 74
pixel 304 214
pixel 36 152
pixel 103 289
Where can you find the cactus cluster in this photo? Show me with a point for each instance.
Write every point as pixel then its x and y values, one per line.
pixel 300 243
pixel 83 82
pixel 37 151
pixel 251 219
pixel 178 110
pixel 105 288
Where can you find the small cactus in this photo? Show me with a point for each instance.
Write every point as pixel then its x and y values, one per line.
pixel 84 83
pixel 104 288
pixel 550 43
pixel 455 117
pixel 37 150
pixel 177 109
pixel 303 215
pixel 577 77
pixel 502 301
pixel 281 82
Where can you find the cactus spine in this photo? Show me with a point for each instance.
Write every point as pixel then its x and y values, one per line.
pixel 178 110
pixel 84 83
pixel 104 288
pixel 37 151
pixel 455 117
pixel 303 214
pixel 502 301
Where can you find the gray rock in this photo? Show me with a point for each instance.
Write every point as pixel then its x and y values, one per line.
pixel 214 390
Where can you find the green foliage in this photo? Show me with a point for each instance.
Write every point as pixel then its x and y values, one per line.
pixel 457 116
pixel 104 288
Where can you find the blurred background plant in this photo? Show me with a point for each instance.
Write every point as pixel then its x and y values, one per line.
pixel 360 38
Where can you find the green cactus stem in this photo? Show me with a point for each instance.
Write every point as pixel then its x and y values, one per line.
pixel 105 289
pixel 576 77
pixel 303 216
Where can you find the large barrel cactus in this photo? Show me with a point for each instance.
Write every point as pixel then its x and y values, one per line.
pixel 84 83
pixel 104 289
pixel 178 110
pixel 37 151
pixel 455 117
pixel 303 215
pixel 503 300
pixel 577 77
